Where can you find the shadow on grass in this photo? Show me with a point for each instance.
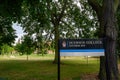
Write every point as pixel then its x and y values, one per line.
pixel 75 69
pixel 76 78
pixel 3 78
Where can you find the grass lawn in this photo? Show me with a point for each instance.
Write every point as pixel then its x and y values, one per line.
pixel 36 68
pixel 73 68
pixel 41 67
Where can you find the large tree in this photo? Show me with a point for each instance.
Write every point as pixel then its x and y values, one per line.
pixel 108 29
pixel 7 33
pixel 61 19
pixel 10 11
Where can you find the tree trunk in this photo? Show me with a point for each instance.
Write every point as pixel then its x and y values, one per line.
pixel 106 16
pixel 27 56
pixel 102 70
pixel 56 44
pixel 111 38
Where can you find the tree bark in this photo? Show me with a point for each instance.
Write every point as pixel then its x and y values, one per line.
pixel 102 70
pixel 99 11
pixel 108 30
pixel 111 38
pixel 56 18
pixel 56 43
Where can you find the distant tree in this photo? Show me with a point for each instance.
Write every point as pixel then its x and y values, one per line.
pixel 20 48
pixel 7 33
pixel 28 45
pixel 6 49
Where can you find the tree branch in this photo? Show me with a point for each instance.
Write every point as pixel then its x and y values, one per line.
pixel 47 38
pixel 67 25
pixel 96 7
pixel 62 12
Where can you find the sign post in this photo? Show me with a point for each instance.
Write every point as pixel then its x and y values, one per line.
pixel 58 62
pixel 79 47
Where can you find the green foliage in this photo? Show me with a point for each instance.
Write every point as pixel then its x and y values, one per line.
pixel 58 19
pixel 28 43
pixel 7 35
pixel 6 49
pixel 11 9
pixel 20 48
pixel 26 46
pixel 73 21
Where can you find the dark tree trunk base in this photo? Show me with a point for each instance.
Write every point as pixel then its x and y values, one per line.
pixel 102 70
pixel 55 62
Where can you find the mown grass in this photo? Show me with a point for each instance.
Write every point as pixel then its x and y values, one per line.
pixel 73 68
pixel 36 68
pixel 41 67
